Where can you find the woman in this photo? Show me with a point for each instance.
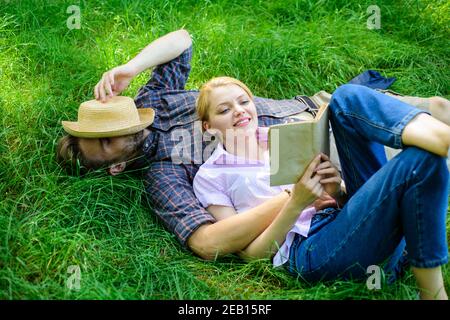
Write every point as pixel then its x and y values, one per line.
pixel 405 198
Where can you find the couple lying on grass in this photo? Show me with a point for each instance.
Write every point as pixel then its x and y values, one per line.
pixel 388 212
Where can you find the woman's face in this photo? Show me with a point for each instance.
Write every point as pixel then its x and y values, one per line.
pixel 231 112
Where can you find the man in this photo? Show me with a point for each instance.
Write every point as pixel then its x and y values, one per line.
pixel 174 146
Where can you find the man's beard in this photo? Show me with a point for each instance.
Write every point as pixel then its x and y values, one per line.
pixel 133 146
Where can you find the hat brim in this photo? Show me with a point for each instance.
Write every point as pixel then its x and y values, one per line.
pixel 146 117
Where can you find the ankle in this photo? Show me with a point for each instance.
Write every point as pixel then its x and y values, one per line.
pixel 439 295
pixel 446 138
pixel 430 283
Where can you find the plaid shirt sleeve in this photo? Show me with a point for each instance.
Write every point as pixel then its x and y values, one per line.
pixel 172 198
pixel 171 75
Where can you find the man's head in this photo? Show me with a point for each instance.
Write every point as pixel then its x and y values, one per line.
pixel 115 153
pixel 106 135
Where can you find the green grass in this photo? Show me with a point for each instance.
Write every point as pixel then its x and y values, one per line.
pixel 49 221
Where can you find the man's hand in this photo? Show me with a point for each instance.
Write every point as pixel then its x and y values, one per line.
pixel 159 51
pixel 331 178
pixel 113 82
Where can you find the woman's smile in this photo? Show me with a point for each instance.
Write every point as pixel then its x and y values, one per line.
pixel 242 122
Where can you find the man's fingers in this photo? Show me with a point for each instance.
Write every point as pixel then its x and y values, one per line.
pixel 96 94
pixel 106 84
pixel 108 88
pixel 101 90
pixel 109 83
pixel 111 78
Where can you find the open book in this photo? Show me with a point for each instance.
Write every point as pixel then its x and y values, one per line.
pixel 293 146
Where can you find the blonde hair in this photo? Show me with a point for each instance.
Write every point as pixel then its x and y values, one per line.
pixel 203 104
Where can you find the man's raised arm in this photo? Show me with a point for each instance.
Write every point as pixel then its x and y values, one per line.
pixel 159 51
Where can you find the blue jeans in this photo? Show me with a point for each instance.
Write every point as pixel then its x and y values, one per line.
pixel 390 203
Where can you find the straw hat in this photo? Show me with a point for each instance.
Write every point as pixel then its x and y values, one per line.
pixel 116 117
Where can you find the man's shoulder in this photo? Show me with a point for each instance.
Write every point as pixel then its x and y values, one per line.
pixel 279 108
pixel 272 111
pixel 173 108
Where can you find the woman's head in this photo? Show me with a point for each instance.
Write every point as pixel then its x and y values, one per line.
pixel 226 104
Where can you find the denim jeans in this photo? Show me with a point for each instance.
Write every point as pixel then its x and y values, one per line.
pixel 391 203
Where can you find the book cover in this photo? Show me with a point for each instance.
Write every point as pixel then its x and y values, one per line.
pixel 293 146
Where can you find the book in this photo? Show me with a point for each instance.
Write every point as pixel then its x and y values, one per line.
pixel 292 147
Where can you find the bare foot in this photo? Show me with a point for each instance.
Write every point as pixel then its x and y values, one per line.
pixel 440 109
pixel 428 133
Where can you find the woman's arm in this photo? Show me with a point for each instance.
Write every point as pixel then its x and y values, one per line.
pixel 318 178
pixel 258 232
pixel 160 51
pixel 305 191
pixel 264 244
pixel 235 231
pixel 269 241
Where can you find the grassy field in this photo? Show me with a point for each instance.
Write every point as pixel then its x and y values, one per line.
pixel 50 221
